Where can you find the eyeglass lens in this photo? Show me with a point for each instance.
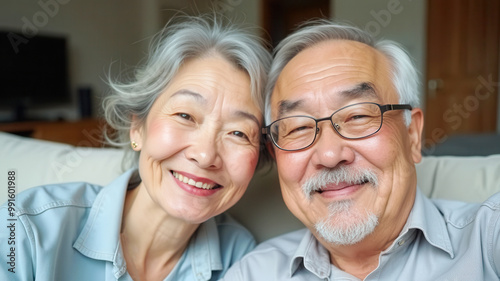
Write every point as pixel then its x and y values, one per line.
pixel 352 122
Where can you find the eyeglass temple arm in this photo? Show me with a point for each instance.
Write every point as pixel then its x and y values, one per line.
pixel 263 130
pixel 389 107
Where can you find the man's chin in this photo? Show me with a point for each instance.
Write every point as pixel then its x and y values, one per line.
pixel 346 227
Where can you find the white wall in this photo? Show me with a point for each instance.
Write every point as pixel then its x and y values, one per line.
pixel 99 32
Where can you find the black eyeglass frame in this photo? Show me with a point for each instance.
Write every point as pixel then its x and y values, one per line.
pixel 383 108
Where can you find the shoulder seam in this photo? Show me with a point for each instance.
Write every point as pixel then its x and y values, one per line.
pixel 53 205
pixel 494 222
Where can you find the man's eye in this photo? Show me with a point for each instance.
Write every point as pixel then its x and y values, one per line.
pixel 359 116
pixel 299 130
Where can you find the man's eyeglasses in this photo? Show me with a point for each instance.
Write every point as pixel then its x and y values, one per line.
pixel 354 121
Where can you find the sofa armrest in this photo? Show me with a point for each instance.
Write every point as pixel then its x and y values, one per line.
pixel 39 162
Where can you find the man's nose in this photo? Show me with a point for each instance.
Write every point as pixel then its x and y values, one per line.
pixel 330 149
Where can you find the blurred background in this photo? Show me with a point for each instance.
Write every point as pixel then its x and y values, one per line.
pixel 55 55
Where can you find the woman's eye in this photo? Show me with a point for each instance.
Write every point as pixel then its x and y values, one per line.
pixel 185 116
pixel 239 134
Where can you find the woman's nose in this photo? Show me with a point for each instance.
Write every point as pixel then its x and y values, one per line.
pixel 205 152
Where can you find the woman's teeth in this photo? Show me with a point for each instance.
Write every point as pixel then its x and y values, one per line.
pixel 192 182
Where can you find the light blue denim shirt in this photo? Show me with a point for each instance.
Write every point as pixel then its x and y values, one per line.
pixel 71 232
pixel 442 240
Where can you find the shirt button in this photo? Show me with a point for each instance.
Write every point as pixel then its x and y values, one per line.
pixel 401 242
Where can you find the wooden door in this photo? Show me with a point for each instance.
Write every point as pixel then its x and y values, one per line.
pixel 462 68
pixel 280 17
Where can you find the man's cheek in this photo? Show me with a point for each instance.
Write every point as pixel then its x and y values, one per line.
pixel 291 166
pixel 378 149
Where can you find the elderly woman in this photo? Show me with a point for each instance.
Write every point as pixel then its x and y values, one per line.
pixel 192 116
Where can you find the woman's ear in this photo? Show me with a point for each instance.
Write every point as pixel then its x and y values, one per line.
pixel 415 133
pixel 135 134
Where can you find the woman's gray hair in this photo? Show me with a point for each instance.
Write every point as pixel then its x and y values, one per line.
pixel 405 76
pixel 184 38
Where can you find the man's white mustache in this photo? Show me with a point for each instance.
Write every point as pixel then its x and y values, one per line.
pixel 343 173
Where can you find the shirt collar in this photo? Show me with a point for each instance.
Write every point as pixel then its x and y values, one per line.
pixel 423 216
pixel 312 255
pixel 100 235
pixel 204 250
pixel 426 217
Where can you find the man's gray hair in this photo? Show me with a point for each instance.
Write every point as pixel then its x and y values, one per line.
pixel 405 76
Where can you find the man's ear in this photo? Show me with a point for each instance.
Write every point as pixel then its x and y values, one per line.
pixel 270 148
pixel 415 133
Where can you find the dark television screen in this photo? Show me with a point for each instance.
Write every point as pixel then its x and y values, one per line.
pixel 33 71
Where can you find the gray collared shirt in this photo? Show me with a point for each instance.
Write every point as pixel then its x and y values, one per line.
pixel 72 232
pixel 441 240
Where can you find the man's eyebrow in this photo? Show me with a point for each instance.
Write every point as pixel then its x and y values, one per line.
pixel 286 106
pixel 361 90
pixel 195 95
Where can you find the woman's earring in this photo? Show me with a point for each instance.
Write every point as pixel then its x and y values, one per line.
pixel 134 144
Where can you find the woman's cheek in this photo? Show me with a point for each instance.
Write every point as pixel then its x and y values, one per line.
pixel 162 143
pixel 241 163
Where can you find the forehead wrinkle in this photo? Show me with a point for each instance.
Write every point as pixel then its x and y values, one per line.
pixel 317 77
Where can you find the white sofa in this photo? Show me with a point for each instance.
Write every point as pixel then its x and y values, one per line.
pixel 261 209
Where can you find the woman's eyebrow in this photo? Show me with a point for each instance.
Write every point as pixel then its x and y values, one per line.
pixel 201 99
pixel 247 115
pixel 190 93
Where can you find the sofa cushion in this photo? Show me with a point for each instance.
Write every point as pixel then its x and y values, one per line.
pixel 261 209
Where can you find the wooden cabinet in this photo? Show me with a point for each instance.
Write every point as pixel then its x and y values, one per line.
pixel 86 132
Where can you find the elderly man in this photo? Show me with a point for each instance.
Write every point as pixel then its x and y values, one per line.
pixel 346 131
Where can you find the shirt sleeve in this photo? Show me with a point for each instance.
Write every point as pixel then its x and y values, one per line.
pixel 495 250
pixel 16 252
pixel 233 273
